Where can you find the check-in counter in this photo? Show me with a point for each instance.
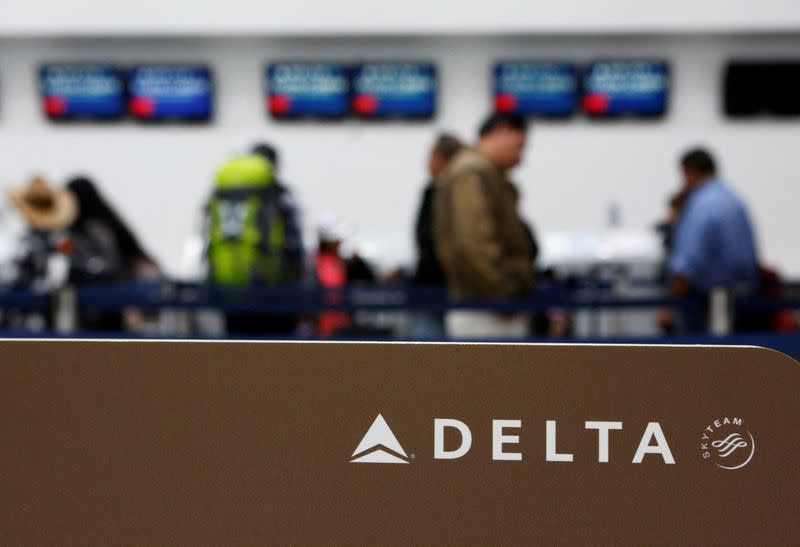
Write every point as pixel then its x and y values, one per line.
pixel 111 442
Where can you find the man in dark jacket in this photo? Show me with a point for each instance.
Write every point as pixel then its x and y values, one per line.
pixel 429 269
pixel 429 272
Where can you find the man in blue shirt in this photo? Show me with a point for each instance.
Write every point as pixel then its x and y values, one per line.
pixel 713 238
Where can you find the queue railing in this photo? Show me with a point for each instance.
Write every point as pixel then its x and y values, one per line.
pixel 311 300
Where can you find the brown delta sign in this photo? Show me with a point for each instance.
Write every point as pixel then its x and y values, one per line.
pixel 273 443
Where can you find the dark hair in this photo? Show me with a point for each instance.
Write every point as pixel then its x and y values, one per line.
pixel 92 206
pixel 700 161
pixel 502 119
pixel 446 146
pixel 266 151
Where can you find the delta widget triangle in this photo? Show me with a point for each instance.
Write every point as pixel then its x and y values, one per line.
pixel 379 456
pixel 379 434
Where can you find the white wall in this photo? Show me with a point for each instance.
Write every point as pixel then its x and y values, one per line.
pixel 372 173
pixel 270 17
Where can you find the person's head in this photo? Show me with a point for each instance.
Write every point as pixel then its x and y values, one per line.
pixel 43 207
pixel 329 246
pixel 91 204
pixel 502 138
pixel 442 152
pixel 268 152
pixel 330 233
pixel 697 166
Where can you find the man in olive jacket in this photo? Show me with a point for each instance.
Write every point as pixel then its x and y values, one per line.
pixel 484 246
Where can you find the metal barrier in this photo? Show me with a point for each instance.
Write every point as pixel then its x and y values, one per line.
pixel 67 305
pixel 283 300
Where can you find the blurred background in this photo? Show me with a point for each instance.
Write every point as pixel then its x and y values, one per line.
pixel 148 101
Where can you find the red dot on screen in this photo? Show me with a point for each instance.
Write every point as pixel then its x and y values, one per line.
pixel 142 107
pixel 596 103
pixel 279 104
pixel 505 102
pixel 365 104
pixel 55 106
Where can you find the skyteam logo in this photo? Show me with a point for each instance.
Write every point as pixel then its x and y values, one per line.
pixel 728 443
pixel 379 445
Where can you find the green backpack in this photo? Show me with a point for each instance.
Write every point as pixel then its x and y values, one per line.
pixel 246 231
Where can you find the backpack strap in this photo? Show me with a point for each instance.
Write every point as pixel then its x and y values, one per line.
pixel 293 251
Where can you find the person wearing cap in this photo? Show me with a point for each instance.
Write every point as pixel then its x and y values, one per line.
pixel 47 212
pixel 331 274
pixel 43 207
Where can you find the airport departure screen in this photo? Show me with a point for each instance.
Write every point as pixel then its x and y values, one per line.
pixel 171 93
pixel 400 90
pixel 540 89
pixel 626 88
pixel 308 90
pixel 72 91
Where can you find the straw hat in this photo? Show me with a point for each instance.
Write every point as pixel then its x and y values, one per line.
pixel 44 207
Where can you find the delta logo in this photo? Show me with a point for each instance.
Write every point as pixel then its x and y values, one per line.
pixel 380 445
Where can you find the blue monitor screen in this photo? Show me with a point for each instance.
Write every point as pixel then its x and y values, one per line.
pixel 177 93
pixel 626 88
pixel 537 88
pixel 308 90
pixel 404 90
pixel 72 91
